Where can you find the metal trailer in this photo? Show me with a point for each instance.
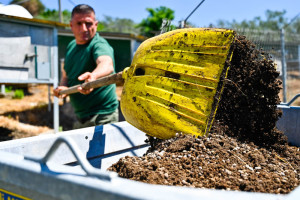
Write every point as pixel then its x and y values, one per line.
pixel 72 165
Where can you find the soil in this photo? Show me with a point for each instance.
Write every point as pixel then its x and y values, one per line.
pixel 244 150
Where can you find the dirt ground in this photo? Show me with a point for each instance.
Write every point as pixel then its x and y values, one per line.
pixel 243 151
pixel 31 116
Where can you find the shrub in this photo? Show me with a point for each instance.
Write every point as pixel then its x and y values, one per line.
pixel 19 94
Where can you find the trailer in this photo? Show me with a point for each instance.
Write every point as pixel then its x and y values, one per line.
pixel 72 165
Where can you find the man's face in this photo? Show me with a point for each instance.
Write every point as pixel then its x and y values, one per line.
pixel 84 27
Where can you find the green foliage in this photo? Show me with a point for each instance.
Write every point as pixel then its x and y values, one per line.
pixel 152 23
pixel 19 94
pixel 120 25
pixel 275 20
pixel 100 26
pixel 53 15
pixel 8 89
pixel 295 26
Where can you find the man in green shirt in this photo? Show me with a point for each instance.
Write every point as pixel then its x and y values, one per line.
pixel 88 58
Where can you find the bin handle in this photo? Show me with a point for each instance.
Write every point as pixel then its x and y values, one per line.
pixel 291 101
pixel 85 165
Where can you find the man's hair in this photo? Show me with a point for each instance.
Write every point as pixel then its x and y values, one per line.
pixel 82 9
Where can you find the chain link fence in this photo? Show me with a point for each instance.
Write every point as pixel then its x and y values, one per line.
pixel 271 42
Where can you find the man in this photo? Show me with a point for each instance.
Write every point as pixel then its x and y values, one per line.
pixel 88 58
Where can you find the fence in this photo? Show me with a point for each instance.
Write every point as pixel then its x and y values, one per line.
pixel 271 42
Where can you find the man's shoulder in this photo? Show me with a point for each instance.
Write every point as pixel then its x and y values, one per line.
pixel 101 43
pixel 71 44
pixel 99 38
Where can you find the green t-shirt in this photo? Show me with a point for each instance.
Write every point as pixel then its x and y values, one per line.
pixel 80 59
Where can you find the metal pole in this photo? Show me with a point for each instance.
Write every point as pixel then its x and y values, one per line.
pixel 283 63
pixel 194 10
pixel 59 10
pixel 55 82
pixel 299 58
pixel 49 98
pixel 3 89
pixel 183 22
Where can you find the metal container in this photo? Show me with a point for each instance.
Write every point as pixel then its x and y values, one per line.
pixel 72 165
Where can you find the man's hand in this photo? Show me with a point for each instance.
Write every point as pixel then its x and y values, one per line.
pixel 87 77
pixel 104 67
pixel 58 89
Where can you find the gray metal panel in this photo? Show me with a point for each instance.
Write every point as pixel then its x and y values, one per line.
pixel 43 70
pixel 289 123
pixel 8 73
pixel 13 51
pixel 11 29
pixel 41 35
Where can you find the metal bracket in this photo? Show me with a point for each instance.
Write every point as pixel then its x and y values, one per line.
pixel 165 26
pixel 30 55
pixel 85 165
pixel 291 101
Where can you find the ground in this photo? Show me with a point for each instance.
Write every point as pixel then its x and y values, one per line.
pixel 31 115
pixel 244 151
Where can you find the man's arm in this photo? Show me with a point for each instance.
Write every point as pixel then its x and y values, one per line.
pixel 104 67
pixel 62 86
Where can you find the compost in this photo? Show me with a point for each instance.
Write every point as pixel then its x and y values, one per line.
pixel 244 150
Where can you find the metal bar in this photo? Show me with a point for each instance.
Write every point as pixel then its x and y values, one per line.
pixel 49 98
pixel 291 101
pixel 2 88
pixel 112 153
pixel 36 62
pixel 283 63
pixel 90 170
pixel 60 13
pixel 55 81
pixel 28 81
pixel 299 59
pixel 194 10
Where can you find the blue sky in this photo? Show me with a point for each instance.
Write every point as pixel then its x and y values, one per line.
pixel 209 12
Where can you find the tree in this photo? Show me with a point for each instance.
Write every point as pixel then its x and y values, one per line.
pixel 53 15
pixel 275 20
pixel 34 7
pixel 121 25
pixel 295 26
pixel 152 23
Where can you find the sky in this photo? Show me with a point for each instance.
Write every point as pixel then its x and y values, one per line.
pixel 209 12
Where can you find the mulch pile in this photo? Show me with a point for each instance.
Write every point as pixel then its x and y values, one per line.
pixel 244 150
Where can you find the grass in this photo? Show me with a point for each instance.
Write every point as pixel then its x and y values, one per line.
pixel 18 94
